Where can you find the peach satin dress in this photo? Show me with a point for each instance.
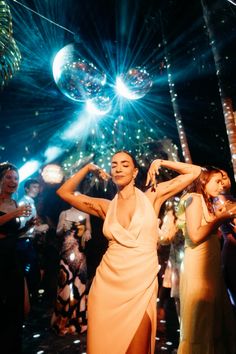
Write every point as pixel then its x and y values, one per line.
pixel 207 323
pixel 125 285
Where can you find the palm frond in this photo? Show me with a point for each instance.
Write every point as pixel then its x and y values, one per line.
pixel 10 56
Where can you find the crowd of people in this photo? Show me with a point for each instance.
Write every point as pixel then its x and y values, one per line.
pixel 199 231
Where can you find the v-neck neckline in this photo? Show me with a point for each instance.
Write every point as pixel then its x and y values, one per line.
pixel 132 218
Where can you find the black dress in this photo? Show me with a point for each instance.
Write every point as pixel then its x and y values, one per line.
pixel 11 289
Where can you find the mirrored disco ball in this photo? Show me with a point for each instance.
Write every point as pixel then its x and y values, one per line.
pixel 135 84
pixel 100 104
pixel 76 77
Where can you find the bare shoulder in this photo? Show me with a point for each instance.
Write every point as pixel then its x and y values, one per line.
pixel 191 198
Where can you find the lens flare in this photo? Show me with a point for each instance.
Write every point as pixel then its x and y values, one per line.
pixel 135 84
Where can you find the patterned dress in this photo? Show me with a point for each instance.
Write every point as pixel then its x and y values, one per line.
pixel 70 307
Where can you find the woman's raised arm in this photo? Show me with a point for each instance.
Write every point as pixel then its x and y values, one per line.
pixel 90 205
pixel 164 190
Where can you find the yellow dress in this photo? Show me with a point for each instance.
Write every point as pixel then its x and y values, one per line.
pixel 207 323
pixel 125 285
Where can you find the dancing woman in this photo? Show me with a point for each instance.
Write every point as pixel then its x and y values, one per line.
pixel 122 298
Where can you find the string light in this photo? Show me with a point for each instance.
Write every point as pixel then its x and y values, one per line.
pixel 44 17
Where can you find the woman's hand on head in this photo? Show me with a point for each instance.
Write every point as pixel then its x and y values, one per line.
pixel 99 172
pixel 152 172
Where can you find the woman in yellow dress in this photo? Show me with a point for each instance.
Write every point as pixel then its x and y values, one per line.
pixel 122 298
pixel 207 323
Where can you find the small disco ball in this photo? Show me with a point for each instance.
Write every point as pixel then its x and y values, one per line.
pixel 135 84
pixel 100 104
pixel 77 78
pixel 52 174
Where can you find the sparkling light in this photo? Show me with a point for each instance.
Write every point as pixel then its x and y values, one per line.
pixel 169 343
pixel 52 152
pixel 28 169
pixel 99 106
pixel 52 174
pixel 76 341
pixel 123 90
pixel 135 84
pixel 232 2
pixel 72 256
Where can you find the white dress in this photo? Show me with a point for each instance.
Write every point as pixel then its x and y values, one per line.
pixel 125 285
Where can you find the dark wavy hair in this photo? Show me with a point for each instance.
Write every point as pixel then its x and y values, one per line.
pixel 198 186
pixel 6 166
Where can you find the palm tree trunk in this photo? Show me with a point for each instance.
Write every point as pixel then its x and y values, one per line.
pixel 174 99
pixel 226 100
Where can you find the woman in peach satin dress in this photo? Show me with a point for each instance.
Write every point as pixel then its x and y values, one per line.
pixel 122 298
pixel 206 319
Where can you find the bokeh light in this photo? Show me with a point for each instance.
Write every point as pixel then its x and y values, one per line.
pixel 29 168
pixel 52 174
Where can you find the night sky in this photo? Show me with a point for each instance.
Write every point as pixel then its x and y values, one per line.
pixel 120 34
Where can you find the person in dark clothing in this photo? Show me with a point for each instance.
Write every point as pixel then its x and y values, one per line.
pixel 13 292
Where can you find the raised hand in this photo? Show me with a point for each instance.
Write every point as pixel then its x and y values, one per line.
pixel 99 172
pixel 152 172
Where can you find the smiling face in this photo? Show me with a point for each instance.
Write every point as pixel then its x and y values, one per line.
pixel 123 171
pixel 214 186
pixel 9 182
pixel 33 190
